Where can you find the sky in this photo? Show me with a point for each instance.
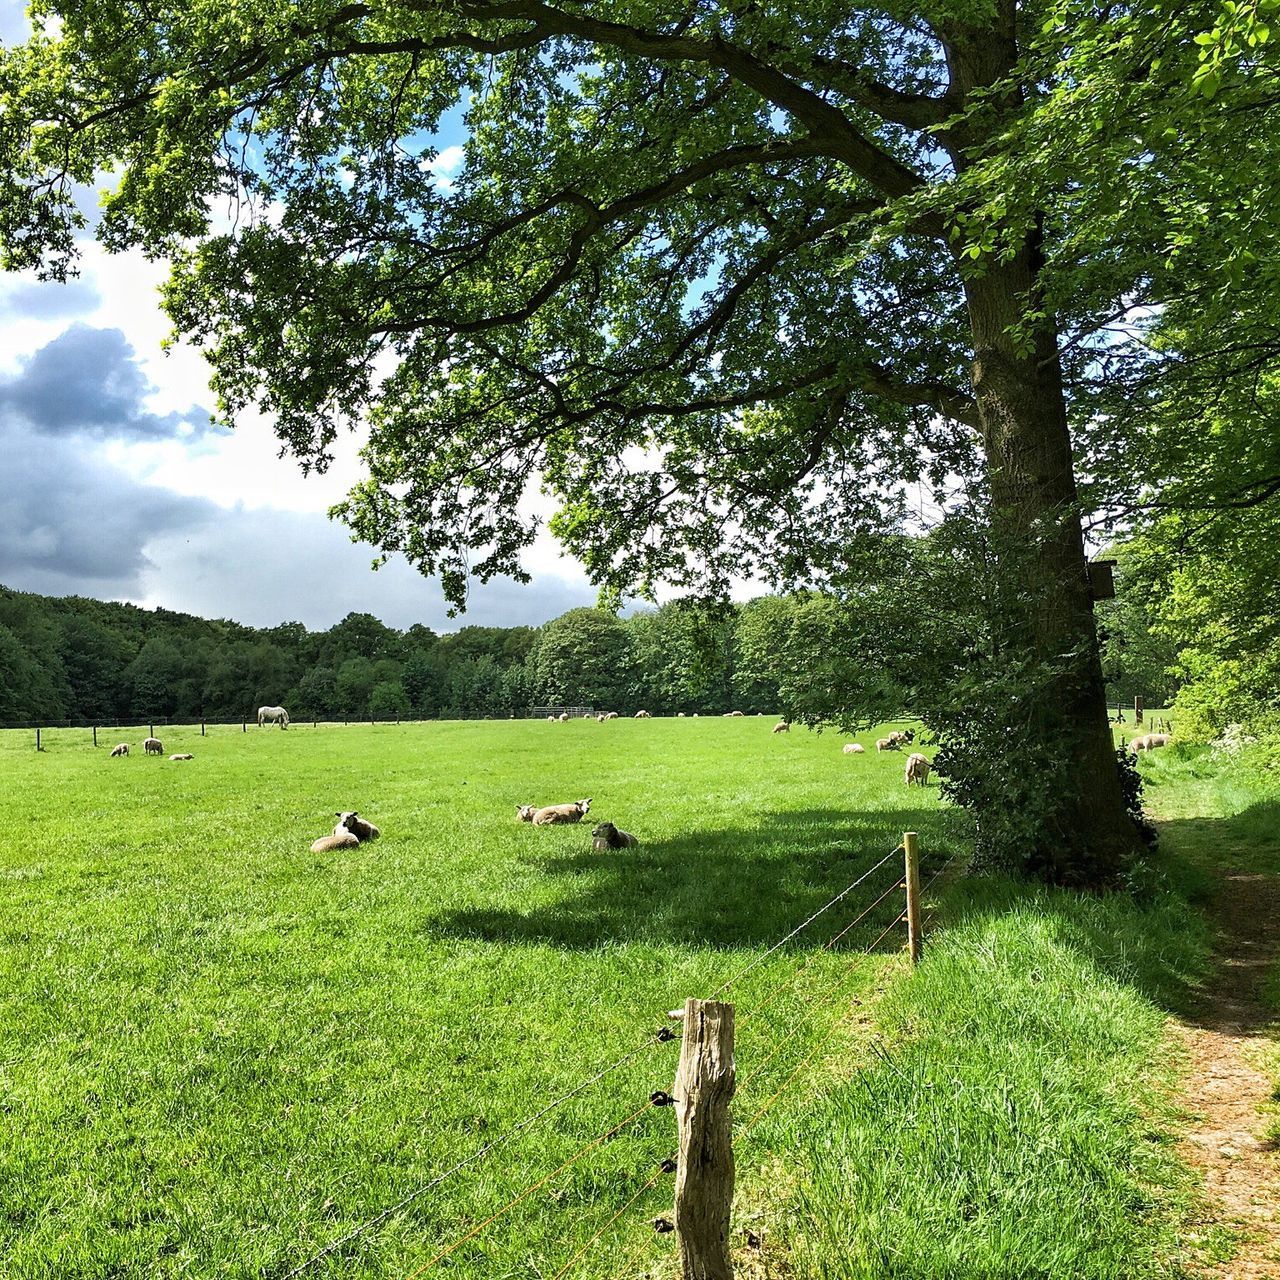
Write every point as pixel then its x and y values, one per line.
pixel 118 487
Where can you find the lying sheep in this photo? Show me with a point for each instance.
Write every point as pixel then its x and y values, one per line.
pixel 559 813
pixel 853 749
pixel 358 827
pixel 782 727
pixel 153 746
pixel 121 750
pixel 340 839
pixel 525 812
pixel 917 770
pixel 186 755
pixel 607 836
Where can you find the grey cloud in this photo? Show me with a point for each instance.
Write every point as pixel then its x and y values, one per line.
pixel 70 522
pixel 264 567
pixel 87 382
pixel 45 300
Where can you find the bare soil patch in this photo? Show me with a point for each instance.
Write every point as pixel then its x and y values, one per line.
pixel 1227 1087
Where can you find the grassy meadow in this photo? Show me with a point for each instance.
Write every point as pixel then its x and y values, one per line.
pixel 220 1053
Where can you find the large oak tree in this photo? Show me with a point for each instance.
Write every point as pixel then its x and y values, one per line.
pixel 722 275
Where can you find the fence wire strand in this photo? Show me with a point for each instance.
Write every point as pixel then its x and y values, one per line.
pixel 782 942
pixel 648 1186
pixel 477 1154
pixel 597 1141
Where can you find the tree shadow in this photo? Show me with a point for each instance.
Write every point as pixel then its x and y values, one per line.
pixel 725 888
pixel 1235 863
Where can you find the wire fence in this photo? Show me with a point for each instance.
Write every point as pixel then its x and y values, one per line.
pixel 815 1004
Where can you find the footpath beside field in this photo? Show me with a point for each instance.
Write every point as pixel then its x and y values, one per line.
pixel 1229 1038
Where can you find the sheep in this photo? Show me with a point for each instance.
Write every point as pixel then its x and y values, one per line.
pixel 1149 741
pixel 732 714
pixel 153 746
pixel 887 744
pixel 854 749
pixel 606 836
pixel 586 715
pixel 551 719
pixel 186 755
pixel 564 717
pixel 554 814
pixel 782 727
pixel 902 738
pixel 601 718
pixel 642 715
pixel 611 715
pixel 917 770
pixel 340 839
pixel 121 750
pixel 525 812
pixel 680 715
pixel 358 826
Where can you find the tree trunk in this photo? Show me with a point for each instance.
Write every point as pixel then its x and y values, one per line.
pixel 1035 517
pixel 1035 521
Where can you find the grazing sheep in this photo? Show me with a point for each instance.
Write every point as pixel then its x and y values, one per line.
pixel 564 717
pixel 340 839
pixel 611 715
pixel 917 770
pixel 153 746
pixel 586 715
pixel 1149 741
pixel 361 829
pixel 782 727
pixel 607 836
pixel 121 750
pixel 525 812
pixel 887 744
pixel 551 719
pixel 854 749
pixel 902 738
pixel 554 814
pixel 642 715
pixel 680 715
pixel 186 755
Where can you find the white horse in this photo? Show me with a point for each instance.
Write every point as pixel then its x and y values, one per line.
pixel 273 715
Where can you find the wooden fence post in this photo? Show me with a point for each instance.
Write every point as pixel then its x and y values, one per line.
pixel 95 735
pixel 1137 711
pixel 202 728
pixel 244 726
pixel 38 746
pixel 704 1172
pixel 911 844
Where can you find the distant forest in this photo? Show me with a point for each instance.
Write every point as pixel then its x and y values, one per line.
pixel 74 659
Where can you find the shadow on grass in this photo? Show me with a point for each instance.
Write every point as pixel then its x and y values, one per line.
pixel 1234 863
pixel 724 888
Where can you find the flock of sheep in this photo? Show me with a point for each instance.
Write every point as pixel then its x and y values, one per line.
pixel 151 747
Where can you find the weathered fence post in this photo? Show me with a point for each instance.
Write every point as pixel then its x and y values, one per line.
pixel 911 845
pixel 95 735
pixel 244 726
pixel 704 1171
pixel 151 731
pixel 38 746
pixel 1137 711
pixel 202 728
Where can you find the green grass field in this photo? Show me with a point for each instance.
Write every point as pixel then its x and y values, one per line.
pixel 220 1052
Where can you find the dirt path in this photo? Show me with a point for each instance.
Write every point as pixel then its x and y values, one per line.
pixel 1226 1088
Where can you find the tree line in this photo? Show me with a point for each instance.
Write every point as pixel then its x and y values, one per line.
pixel 80 659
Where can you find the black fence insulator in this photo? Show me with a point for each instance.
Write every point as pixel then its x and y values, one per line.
pixel 668 1165
pixel 665 1034
pixel 663 1225
pixel 660 1099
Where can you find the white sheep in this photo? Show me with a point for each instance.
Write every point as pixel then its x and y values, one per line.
pixel 554 814
pixel 853 749
pixel 340 839
pixel 917 769
pixel 358 826
pixel 886 744
pixel 121 750
pixel 564 717
pixel 153 746
pixel 186 755
pixel 782 727
pixel 643 715
pixel 525 812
